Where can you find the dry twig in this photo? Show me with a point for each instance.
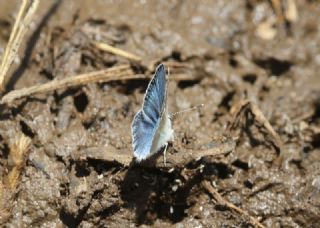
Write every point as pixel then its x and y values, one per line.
pixel 222 201
pixel 115 73
pixel 288 13
pixel 291 13
pixel 19 30
pixel 123 72
pixel 116 51
pixel 277 7
pixel 260 118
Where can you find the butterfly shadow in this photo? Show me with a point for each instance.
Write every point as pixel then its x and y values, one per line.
pixel 151 192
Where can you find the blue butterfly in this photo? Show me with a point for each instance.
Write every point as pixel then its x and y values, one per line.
pixel 151 127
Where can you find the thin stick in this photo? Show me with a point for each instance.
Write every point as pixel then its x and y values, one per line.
pixel 22 10
pixel 116 51
pixel 123 72
pixel 19 30
pixel 222 201
pixel 276 4
pixel 238 109
pixel 291 13
pixel 115 73
pixel 264 122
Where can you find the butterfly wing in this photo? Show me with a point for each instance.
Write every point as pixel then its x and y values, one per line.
pixel 146 121
pixel 143 132
pixel 156 95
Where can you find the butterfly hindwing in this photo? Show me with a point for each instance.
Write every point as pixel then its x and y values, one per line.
pixel 142 135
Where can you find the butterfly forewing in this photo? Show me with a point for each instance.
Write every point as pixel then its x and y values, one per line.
pixel 154 101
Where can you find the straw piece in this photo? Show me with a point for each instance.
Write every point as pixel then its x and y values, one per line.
pixel 115 73
pixel 18 32
pixel 116 51
pixel 123 72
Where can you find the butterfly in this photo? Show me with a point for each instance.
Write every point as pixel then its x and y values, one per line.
pixel 151 126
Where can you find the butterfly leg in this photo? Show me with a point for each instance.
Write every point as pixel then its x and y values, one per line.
pixel 164 155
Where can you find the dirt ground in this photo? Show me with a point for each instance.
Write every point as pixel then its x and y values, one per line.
pixel 232 50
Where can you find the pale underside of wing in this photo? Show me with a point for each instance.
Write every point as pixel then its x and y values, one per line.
pixel 163 134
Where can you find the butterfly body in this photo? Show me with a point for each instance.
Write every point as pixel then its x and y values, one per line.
pixel 151 126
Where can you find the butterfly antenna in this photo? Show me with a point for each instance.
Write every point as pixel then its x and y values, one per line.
pixel 186 110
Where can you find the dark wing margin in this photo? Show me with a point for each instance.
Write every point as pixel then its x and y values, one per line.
pixel 142 135
pixel 156 94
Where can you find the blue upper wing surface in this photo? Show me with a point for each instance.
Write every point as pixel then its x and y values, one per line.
pixel 146 121
pixel 154 100
pixel 142 135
